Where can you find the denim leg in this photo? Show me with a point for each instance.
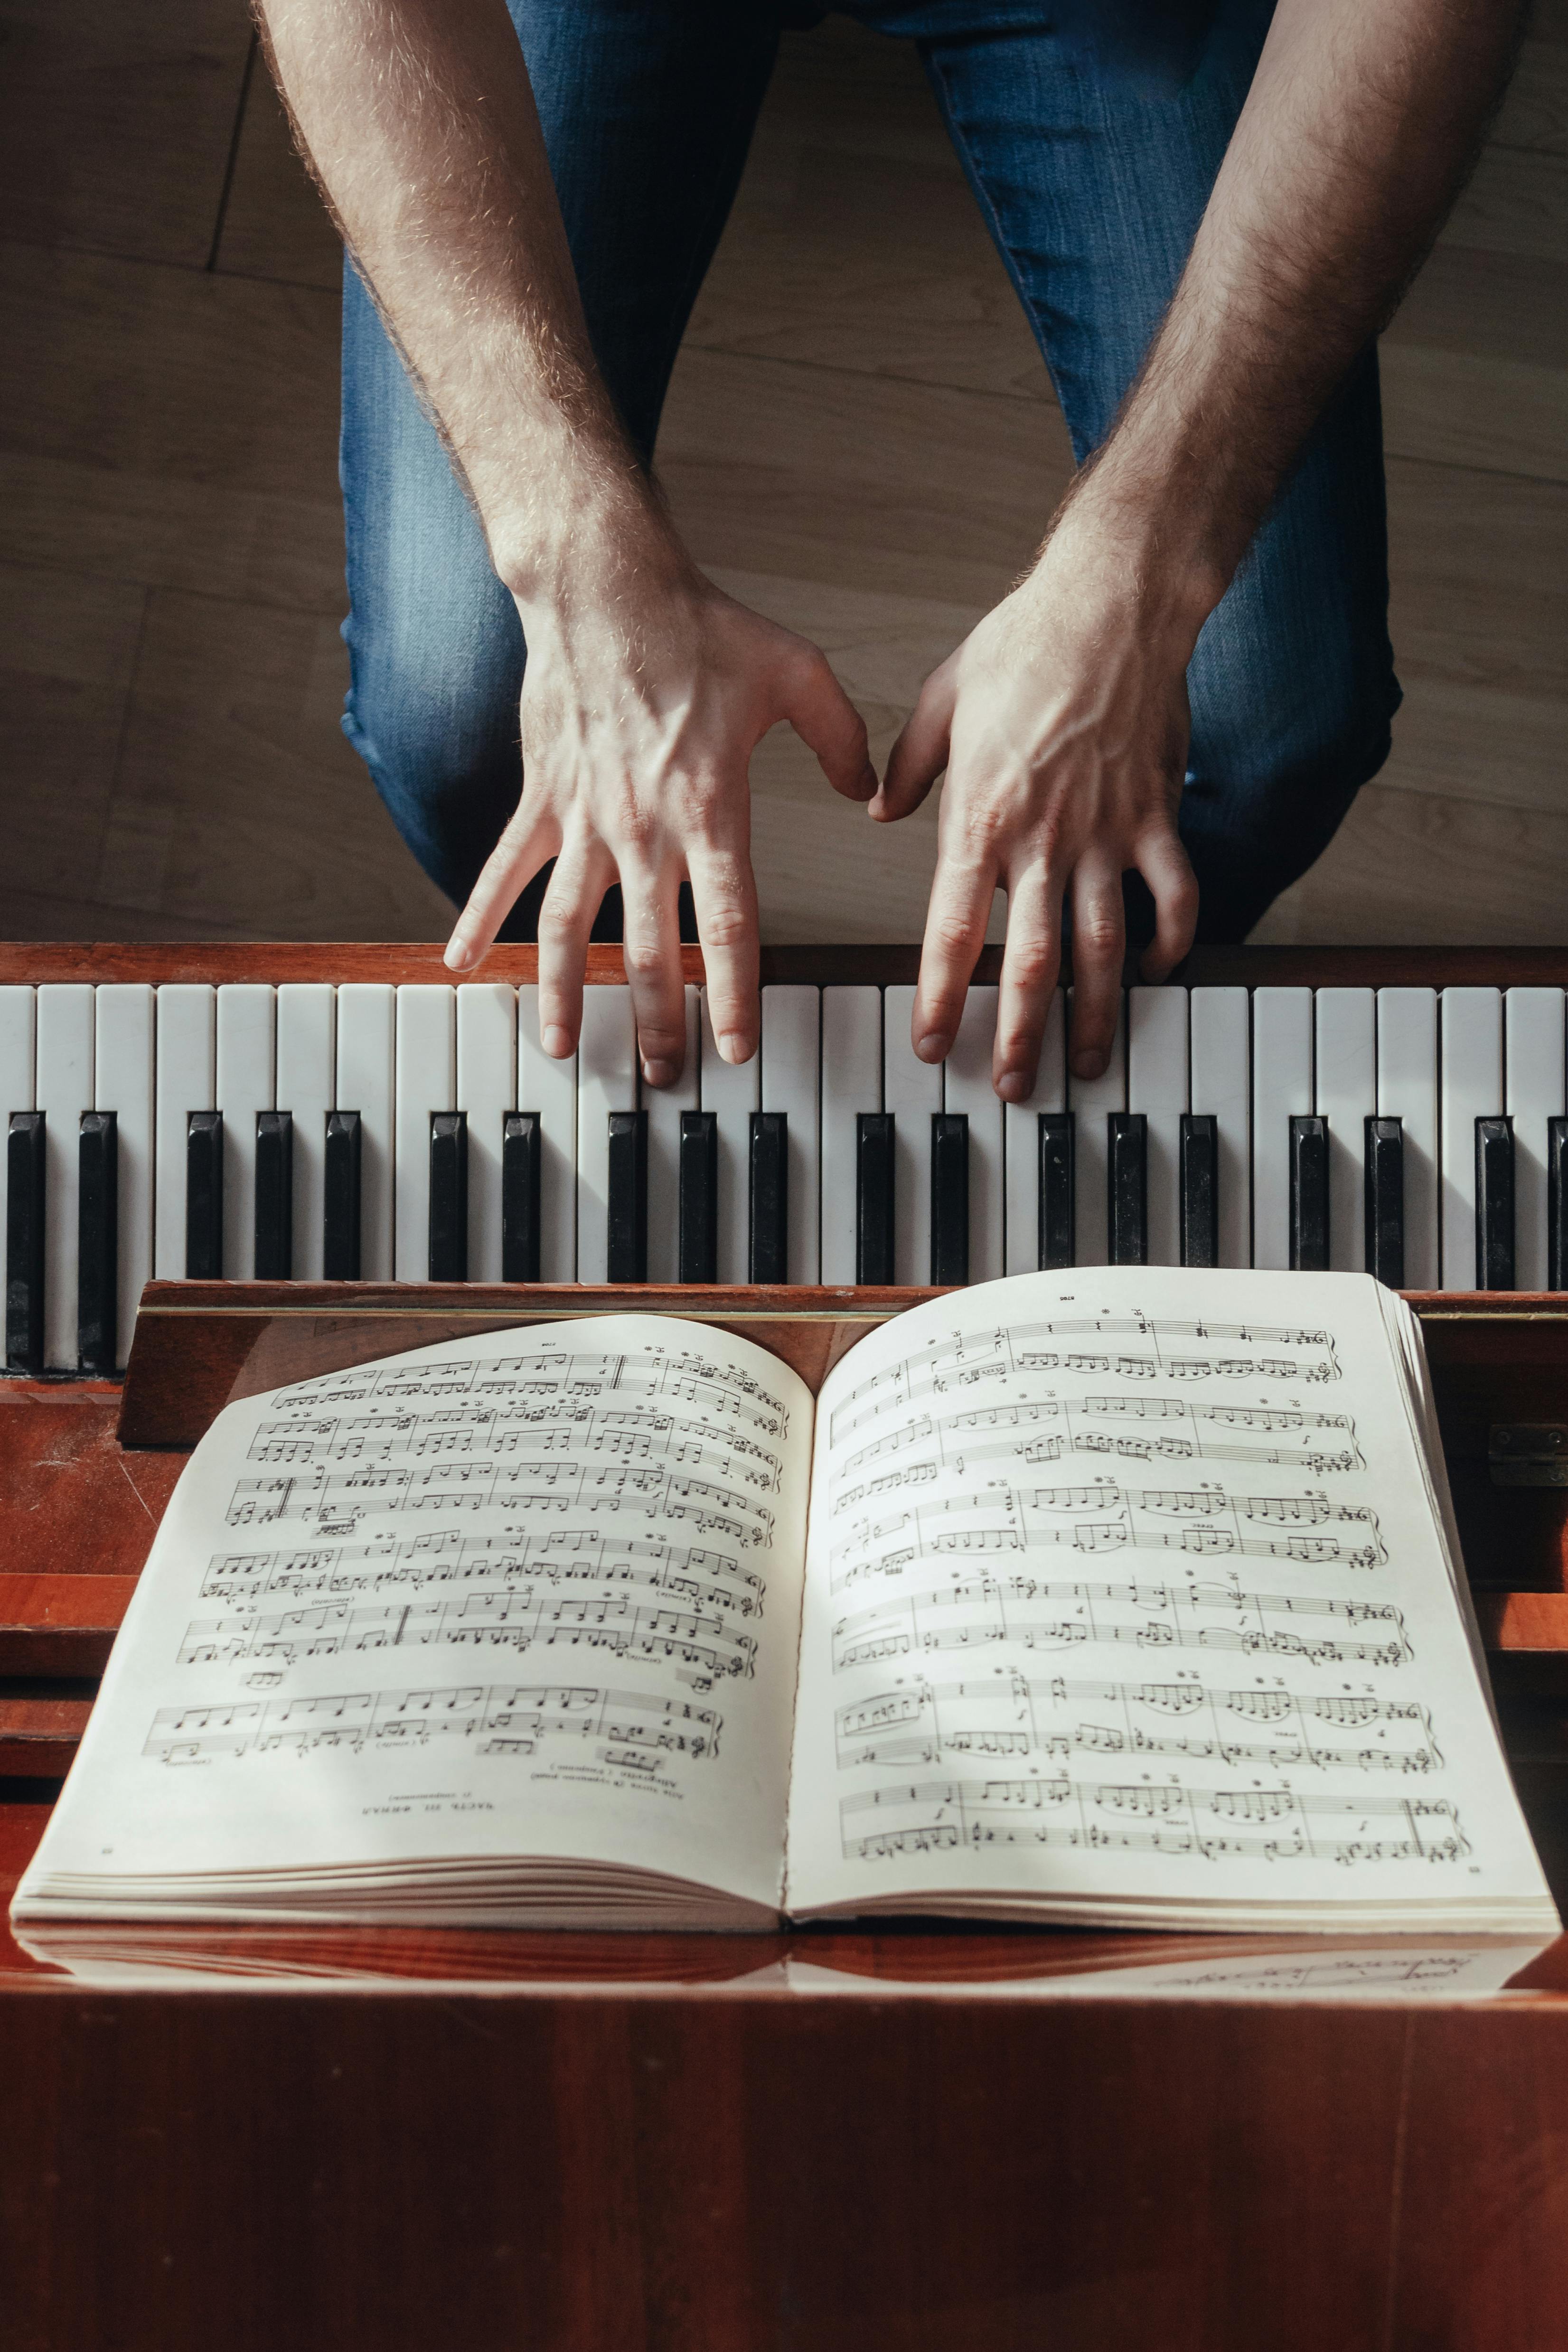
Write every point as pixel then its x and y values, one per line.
pixel 647 114
pixel 1092 160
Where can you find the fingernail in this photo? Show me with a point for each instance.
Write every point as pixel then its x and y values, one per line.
pixel 457 957
pixel 659 1074
pixel 1013 1086
pixel 557 1042
pixel 931 1047
pixel 733 1047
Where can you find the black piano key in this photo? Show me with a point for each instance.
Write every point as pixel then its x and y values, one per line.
pixel 1310 1194
pixel 874 1196
pixel 1494 1204
pixel 98 1241
pixel 699 1239
pixel 340 1198
pixel 25 1242
pixel 769 1258
pixel 274 1196
pixel 1557 1205
pixel 949 1196
pixel 1200 1188
pixel 522 1181
pixel 625 1251
pixel 203 1196
pixel 1058 1214
pixel 1384 1183
pixel 448 1258
pixel 1127 1187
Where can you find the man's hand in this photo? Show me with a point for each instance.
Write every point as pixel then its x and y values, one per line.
pixel 640 712
pixel 1062 723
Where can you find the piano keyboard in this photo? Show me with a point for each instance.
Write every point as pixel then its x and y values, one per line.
pixel 363 1131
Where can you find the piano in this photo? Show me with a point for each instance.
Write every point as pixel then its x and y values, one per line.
pixel 226 1165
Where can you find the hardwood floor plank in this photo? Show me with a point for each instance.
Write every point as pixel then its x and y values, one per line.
pixel 1408 867
pixel 1505 416
pixel 275 225
pixel 68 648
pixel 1516 202
pixel 1535 111
pixel 1479 567
pixel 115 123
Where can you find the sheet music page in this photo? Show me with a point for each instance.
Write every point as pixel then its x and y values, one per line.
pixel 1125 1590
pixel 529 1593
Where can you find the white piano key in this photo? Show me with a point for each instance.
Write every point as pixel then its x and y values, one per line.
pixel 1220 1025
pixel 968 1092
pixel 1533 1046
pixel 606 1081
pixel 426 1081
pixel 731 1091
pixel 792 1045
pixel 124 1017
pixel 665 1106
pixel 1407 1091
pixel 306 1082
pixel 1021 1142
pixel 911 1090
pixel 247 1078
pixel 366 1082
pixel 1472 1088
pixel 550 1087
pixel 64 1090
pixel 486 1090
pixel 851 1083
pixel 1157 1085
pixel 1346 1094
pixel 184 1079
pixel 1282 1090
pixel 18 1018
pixel 1091 1102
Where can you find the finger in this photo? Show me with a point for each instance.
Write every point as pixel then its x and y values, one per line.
pixel 651 952
pixel 725 897
pixel 1166 866
pixel 1030 962
pixel 531 838
pixel 960 896
pixel 583 872
pixel 920 755
pixel 1098 947
pixel 824 718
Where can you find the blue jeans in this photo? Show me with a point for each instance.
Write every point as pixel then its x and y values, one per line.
pixel 1091 157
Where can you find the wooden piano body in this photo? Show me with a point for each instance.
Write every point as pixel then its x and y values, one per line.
pixel 819 2140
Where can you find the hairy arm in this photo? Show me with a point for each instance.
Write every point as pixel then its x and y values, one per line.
pixel 645 689
pixel 1062 719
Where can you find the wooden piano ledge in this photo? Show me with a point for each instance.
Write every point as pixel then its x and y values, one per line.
pixel 39 1736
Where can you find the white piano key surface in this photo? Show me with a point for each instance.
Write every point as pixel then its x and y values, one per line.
pixel 1534 1047
pixel 1408 1091
pixel 665 1106
pixel 851 1083
pixel 18 1018
pixel 1158 1084
pixel 1091 1102
pixel 185 1079
pixel 487 1089
pixel 366 1082
pixel 911 1090
pixel 732 1091
pixel 63 1087
pixel 1220 1033
pixel 550 1087
pixel 305 1085
pixel 1472 1088
pixel 1282 1090
pixel 426 1081
pixel 1346 1094
pixel 606 1081
pixel 123 1062
pixel 967 1091
pixel 246 1044
pixel 792 1045
pixel 1021 1143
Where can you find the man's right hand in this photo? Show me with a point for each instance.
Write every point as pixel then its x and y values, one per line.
pixel 643 701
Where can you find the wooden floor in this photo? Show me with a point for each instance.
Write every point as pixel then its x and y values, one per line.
pixel 861 441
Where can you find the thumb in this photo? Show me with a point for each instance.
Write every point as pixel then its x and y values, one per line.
pixel 825 719
pixel 920 755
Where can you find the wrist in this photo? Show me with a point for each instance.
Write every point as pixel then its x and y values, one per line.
pixel 1130 546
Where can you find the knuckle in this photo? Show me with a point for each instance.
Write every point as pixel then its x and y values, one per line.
pixel 952 935
pixel 1031 963
pixel 726 924
pixel 644 960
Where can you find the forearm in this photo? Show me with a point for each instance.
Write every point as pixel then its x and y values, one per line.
pixel 418 120
pixel 1361 124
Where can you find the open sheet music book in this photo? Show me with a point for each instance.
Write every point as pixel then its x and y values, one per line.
pixel 1126 1596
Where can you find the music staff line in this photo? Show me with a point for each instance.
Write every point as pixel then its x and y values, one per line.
pixel 636 1435
pixel 339 1501
pixel 1028 1611
pixel 1215 1824
pixel 504 1719
pixel 565 1557
pixel 923 1723
pixel 687 1378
